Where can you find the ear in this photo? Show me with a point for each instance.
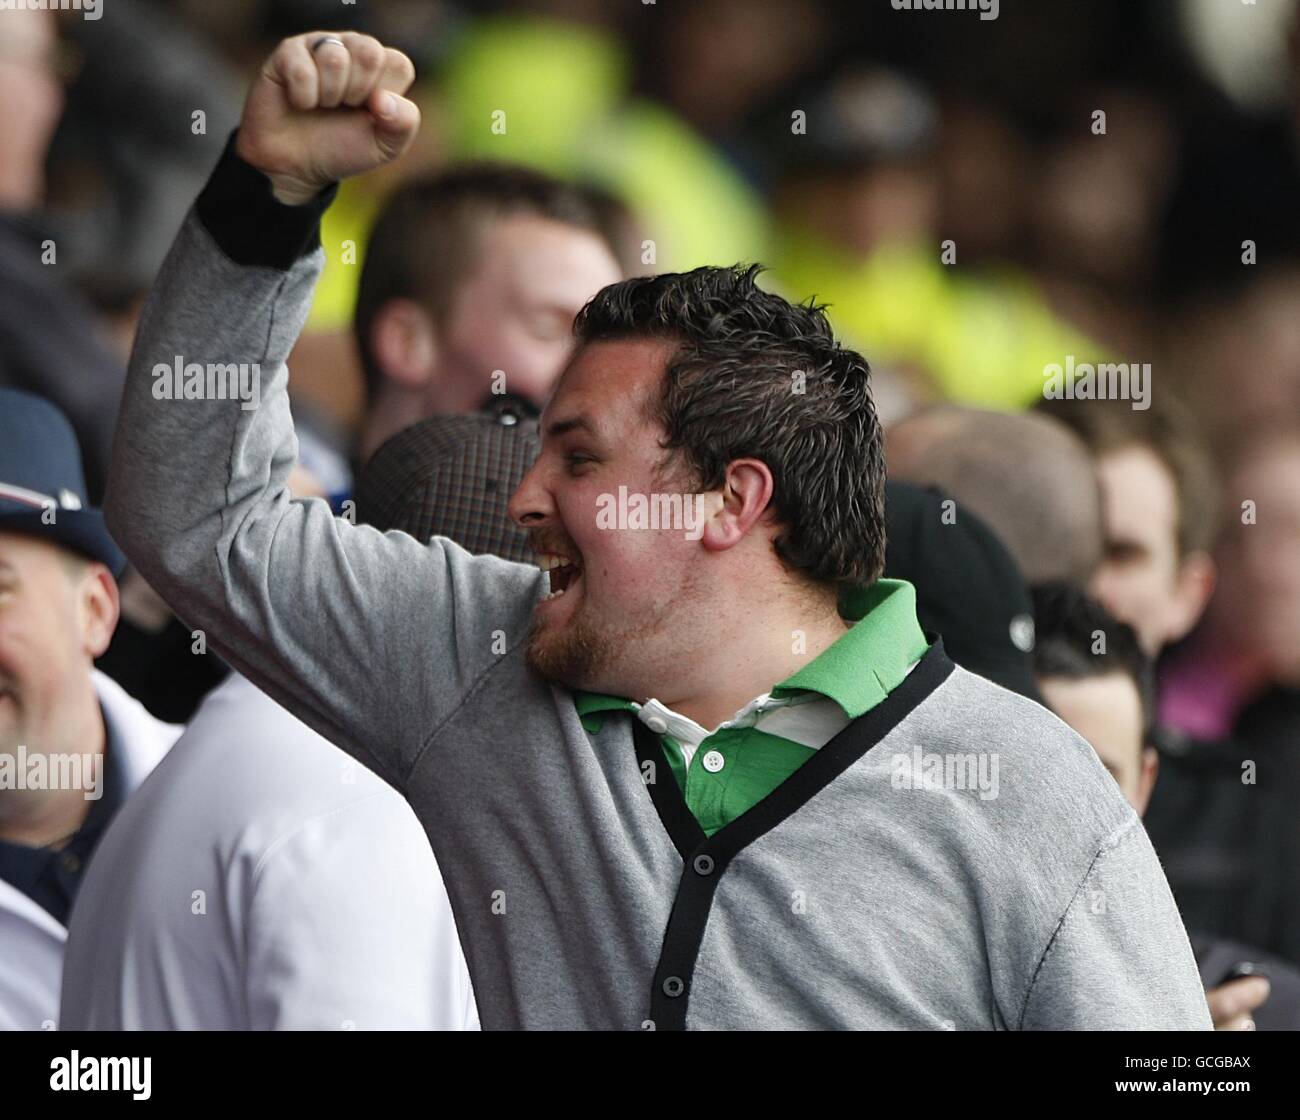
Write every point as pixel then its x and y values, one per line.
pixel 1147 778
pixel 743 498
pixel 98 607
pixel 404 342
pixel 1193 586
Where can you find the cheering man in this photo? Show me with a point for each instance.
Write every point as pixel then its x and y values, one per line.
pixel 690 773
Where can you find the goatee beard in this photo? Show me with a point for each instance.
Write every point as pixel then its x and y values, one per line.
pixel 572 657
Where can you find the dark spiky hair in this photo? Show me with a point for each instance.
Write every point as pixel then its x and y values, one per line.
pixel 755 376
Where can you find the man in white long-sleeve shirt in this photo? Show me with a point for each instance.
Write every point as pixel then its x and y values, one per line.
pixel 263 880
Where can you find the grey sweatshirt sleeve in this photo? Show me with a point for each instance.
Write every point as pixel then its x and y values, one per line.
pixel 1093 976
pixel 371 639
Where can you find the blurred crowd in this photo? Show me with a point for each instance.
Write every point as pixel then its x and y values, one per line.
pixel 975 201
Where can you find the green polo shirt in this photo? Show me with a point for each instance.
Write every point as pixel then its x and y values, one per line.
pixel 740 763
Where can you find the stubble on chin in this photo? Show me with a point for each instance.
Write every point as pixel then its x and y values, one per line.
pixel 573 656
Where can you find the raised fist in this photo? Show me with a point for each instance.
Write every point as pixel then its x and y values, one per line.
pixel 327 105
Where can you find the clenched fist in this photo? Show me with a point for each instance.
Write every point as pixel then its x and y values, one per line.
pixel 327 105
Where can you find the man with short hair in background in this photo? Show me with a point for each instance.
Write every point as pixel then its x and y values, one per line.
pixel 471 281
pixel 1094 675
pixel 1159 513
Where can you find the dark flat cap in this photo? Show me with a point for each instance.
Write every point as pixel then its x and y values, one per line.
pixel 452 476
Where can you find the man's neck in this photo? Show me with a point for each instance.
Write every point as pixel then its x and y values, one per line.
pixel 41 818
pixel 759 654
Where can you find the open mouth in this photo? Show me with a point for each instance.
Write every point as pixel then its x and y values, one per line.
pixel 563 571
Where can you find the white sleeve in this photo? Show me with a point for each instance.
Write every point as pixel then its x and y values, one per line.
pixel 349 928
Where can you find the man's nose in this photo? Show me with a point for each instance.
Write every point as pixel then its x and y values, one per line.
pixel 531 505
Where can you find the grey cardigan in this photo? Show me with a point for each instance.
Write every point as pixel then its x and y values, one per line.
pixel 585 894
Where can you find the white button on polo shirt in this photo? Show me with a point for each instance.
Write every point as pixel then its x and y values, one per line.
pixel 713 761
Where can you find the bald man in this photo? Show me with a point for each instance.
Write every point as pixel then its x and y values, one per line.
pixel 1027 476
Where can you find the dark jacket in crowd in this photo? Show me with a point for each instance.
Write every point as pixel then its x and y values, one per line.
pixel 1223 819
pixel 49 345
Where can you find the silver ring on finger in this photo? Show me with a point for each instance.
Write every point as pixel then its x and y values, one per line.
pixel 327 39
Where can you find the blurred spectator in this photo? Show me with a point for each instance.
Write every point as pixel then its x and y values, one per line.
pixel 73 745
pixel 1263 548
pixel 1263 553
pixel 1094 195
pixel 1241 354
pixel 1159 512
pixel 126 161
pixel 1095 676
pixel 985 167
pixel 857 209
pixel 134 145
pixel 721 64
pixel 1239 176
pixel 1028 477
pixel 471 282
pixel 49 340
pixel 1160 505
pixel 558 95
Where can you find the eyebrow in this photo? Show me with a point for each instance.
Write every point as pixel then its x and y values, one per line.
pixel 557 428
